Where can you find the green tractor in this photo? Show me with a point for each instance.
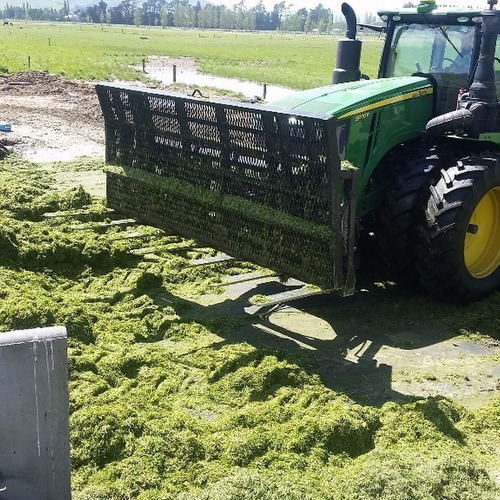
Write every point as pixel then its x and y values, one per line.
pixel 411 159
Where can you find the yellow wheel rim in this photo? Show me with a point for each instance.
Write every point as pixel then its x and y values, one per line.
pixel 482 240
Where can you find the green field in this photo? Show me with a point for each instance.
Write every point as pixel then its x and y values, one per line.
pixel 94 52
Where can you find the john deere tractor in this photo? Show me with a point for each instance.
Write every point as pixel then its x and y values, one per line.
pixel 411 158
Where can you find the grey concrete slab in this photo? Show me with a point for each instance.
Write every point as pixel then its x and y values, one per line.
pixel 34 417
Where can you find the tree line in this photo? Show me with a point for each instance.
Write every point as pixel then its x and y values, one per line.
pixel 182 14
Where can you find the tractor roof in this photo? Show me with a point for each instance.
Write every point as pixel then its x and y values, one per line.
pixel 429 11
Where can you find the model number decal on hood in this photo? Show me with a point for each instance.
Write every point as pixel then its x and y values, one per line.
pixel 361 116
pixel 385 102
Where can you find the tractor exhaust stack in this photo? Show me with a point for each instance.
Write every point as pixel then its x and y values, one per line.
pixel 483 88
pixel 348 51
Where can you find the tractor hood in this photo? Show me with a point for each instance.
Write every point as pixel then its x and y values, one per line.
pixel 348 99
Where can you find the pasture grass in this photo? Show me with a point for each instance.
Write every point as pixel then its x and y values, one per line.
pixel 110 52
pixel 167 401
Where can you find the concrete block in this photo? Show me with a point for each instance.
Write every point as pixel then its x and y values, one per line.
pixel 34 416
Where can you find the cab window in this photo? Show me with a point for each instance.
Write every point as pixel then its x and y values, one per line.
pixel 430 49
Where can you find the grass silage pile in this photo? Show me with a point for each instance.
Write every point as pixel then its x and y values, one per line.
pixel 165 402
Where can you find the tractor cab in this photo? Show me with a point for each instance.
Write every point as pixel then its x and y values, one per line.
pixel 438 43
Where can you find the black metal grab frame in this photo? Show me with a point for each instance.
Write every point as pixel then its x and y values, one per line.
pixel 250 180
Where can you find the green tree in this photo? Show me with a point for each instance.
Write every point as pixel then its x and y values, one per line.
pixel 137 16
pixel 226 19
pixel 277 14
pixel 182 15
pixel 164 17
pixel 123 13
pixel 308 24
pixel 250 20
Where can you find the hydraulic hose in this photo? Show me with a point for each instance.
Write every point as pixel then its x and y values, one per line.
pixel 460 119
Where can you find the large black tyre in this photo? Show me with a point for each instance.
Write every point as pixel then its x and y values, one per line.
pixel 401 212
pixel 459 247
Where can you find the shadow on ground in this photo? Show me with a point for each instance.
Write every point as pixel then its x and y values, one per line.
pixel 376 346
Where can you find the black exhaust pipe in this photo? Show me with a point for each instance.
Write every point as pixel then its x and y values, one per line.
pixel 348 51
pixel 483 88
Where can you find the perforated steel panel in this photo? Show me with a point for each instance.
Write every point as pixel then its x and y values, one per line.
pixel 287 166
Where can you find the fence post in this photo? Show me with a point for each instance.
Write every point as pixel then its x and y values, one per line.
pixel 34 421
pixel 174 73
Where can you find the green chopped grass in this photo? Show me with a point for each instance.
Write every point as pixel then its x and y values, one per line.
pixel 166 402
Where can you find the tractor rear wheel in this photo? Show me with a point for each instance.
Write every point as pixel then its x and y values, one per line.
pixel 459 245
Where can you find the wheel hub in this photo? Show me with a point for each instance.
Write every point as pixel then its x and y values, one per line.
pixel 482 239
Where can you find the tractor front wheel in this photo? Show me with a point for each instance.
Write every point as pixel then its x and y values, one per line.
pixel 397 218
pixel 459 244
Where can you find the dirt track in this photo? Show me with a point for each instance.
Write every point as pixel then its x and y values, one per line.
pixel 52 119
